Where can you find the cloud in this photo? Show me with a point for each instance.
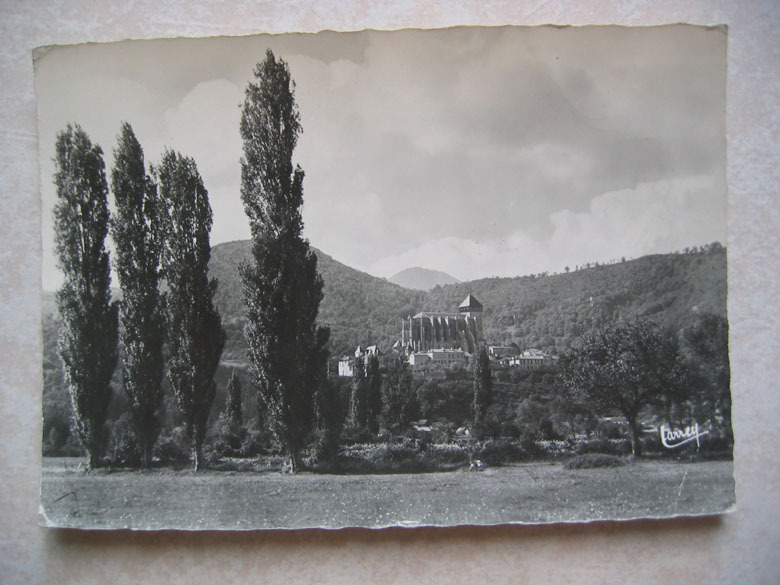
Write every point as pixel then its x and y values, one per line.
pixel 205 126
pixel 658 217
pixel 493 142
pixel 478 134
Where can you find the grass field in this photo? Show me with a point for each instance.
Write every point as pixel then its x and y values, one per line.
pixel 524 493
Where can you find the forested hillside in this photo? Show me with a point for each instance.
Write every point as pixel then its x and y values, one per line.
pixel 550 312
pixel 358 308
pixel 545 311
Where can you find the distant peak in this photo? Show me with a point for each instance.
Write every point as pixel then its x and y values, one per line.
pixel 422 278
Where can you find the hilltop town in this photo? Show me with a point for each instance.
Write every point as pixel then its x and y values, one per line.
pixel 446 340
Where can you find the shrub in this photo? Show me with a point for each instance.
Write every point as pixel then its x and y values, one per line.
pixel 548 431
pixel 529 445
pixel 53 442
pixel 511 428
pixel 554 448
pixel 225 439
pixel 122 446
pixel 504 376
pixel 403 458
pixel 380 459
pixel 353 435
pixel 173 448
pixel 605 446
pixel 652 445
pixel 720 445
pixel 392 457
pixel 611 430
pixel 500 451
pixel 595 460
pixel 257 442
pixel 444 456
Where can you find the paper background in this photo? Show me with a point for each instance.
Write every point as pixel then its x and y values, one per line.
pixel 740 547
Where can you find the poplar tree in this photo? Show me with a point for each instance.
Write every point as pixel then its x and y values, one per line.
pixel 281 286
pixel 88 338
pixel 136 235
pixel 328 412
pixel 194 328
pixel 233 411
pixel 483 390
pixel 373 393
pixel 330 420
pixel 399 401
pixel 358 403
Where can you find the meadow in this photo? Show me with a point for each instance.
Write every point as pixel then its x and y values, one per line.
pixel 244 500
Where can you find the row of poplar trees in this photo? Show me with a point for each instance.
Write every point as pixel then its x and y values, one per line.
pixel 161 232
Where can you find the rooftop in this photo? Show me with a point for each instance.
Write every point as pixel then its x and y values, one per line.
pixel 470 303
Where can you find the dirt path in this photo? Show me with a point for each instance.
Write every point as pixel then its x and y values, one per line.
pixel 529 493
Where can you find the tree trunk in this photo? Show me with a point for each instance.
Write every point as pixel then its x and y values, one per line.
pixel 92 458
pixel 296 462
pixel 197 451
pixel 93 448
pixel 146 454
pixel 636 438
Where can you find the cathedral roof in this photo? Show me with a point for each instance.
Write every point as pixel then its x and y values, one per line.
pixel 470 303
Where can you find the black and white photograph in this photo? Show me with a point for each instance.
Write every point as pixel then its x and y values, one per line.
pixel 442 277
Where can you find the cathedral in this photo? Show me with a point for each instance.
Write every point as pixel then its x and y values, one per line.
pixel 427 331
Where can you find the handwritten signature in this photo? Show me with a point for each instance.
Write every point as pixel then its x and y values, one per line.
pixel 673 438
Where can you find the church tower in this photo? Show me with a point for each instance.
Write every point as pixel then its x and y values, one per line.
pixel 471 309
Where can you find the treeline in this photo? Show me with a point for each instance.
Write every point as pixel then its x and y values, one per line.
pixel 609 395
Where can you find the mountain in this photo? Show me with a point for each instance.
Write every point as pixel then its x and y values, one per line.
pixel 544 311
pixel 358 308
pixel 422 278
pixel 547 312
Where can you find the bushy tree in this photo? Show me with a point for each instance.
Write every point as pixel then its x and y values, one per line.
pixel 483 390
pixel 138 242
pixel 625 369
pixel 706 348
pixel 399 403
pixel 282 288
pixel 88 338
pixel 194 327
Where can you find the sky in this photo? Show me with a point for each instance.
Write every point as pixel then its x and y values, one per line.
pixel 475 151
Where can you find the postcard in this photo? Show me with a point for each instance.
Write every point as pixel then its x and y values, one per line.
pixel 473 275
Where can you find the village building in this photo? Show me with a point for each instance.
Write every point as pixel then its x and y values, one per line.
pixel 502 351
pixel 532 359
pixel 347 363
pixel 441 357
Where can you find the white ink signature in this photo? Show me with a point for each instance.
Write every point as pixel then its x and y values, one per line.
pixel 672 439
